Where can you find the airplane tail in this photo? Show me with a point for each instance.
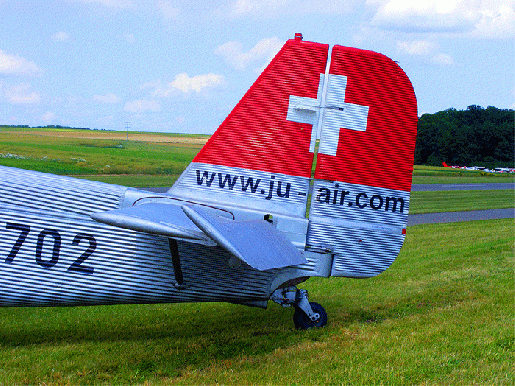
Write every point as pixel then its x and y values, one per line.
pixel 334 124
pixel 261 156
pixel 445 165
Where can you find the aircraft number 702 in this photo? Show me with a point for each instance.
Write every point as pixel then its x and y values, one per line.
pixel 76 266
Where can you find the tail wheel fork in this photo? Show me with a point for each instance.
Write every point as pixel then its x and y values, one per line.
pixel 307 314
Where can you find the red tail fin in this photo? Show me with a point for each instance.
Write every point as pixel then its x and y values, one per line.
pixel 363 109
pixel 380 151
pixel 260 155
pixel 257 135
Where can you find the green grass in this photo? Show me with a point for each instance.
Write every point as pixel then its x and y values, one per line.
pixel 460 200
pixel 24 148
pixel 135 180
pixel 441 175
pixel 442 314
pixel 79 156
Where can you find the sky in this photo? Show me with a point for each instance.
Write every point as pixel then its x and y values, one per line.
pixel 180 66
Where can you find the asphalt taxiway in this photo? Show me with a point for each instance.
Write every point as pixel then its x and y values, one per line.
pixel 441 187
pixel 425 218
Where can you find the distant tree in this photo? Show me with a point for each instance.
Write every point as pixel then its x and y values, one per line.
pixel 466 137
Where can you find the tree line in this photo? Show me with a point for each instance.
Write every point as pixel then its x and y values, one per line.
pixel 475 136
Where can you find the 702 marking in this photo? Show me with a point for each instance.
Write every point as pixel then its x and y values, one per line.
pixel 76 266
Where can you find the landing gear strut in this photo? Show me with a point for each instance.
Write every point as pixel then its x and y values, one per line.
pixel 307 314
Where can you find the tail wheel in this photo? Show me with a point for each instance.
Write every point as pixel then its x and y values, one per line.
pixel 303 322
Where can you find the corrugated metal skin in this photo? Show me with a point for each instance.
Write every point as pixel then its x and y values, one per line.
pixel 128 267
pixel 357 252
pixel 277 193
pixel 360 203
pixel 371 167
pixel 256 135
pixel 42 191
pixel 382 155
pixel 362 225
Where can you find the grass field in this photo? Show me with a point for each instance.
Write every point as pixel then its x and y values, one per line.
pixel 157 160
pixel 441 175
pixel 151 158
pixel 456 201
pixel 101 153
pixel 443 314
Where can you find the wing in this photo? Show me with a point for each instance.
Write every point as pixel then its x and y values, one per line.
pixel 256 243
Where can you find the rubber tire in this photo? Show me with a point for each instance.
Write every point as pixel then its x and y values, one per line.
pixel 302 322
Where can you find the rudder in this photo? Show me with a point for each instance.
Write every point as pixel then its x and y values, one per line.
pixel 361 194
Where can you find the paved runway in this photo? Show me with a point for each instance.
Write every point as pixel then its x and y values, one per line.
pixel 424 187
pixel 438 187
pixel 471 215
pixel 415 219
pixel 488 214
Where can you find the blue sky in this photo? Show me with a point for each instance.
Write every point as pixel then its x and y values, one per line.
pixel 181 66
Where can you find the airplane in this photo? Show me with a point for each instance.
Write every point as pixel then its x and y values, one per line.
pixel 481 168
pixel 251 217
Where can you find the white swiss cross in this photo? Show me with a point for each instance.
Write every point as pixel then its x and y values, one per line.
pixel 331 113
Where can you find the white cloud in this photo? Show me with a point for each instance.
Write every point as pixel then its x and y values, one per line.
pixel 49 116
pixel 497 19
pixel 443 59
pixel 16 65
pixel 480 18
pixel 111 3
pixel 197 83
pixel 129 38
pixel 425 48
pixel 142 105
pixel 108 98
pixel 153 84
pixel 425 15
pixel 183 83
pixel 245 7
pixel 22 94
pixel 61 36
pixel 167 9
pixel 272 8
pixel 263 51
pixel 416 47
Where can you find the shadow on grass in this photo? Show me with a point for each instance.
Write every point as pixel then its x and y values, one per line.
pixel 233 327
pixel 139 343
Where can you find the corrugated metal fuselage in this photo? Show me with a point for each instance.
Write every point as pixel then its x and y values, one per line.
pixel 54 254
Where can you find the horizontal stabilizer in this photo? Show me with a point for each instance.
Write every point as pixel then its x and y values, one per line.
pixel 256 243
pixel 163 219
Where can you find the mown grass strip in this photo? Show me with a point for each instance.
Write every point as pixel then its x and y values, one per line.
pixel 460 200
pixel 442 314
pixel 135 180
pixel 68 155
pixel 488 179
pixel 441 175
pixel 473 179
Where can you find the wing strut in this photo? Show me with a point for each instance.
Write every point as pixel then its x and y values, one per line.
pixel 176 261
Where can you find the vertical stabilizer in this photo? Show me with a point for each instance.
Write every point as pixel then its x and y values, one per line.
pixel 258 158
pixel 361 108
pixel 360 203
